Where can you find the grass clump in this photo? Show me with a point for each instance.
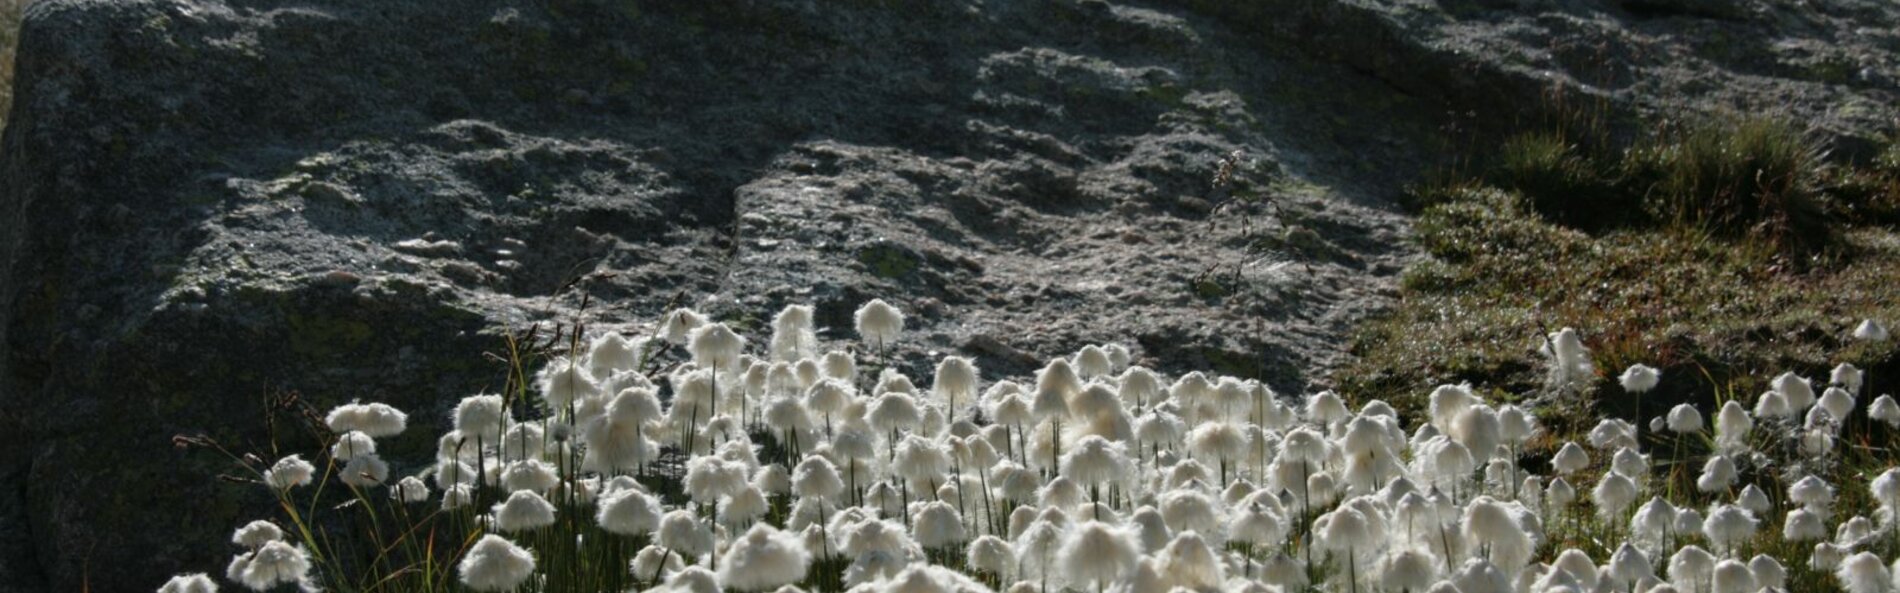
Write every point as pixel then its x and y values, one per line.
pixel 1751 178
pixel 10 14
pixel 1563 183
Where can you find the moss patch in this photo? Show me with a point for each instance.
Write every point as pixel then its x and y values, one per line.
pixel 324 337
pixel 887 261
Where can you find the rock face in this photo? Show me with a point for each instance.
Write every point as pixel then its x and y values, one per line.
pixel 205 202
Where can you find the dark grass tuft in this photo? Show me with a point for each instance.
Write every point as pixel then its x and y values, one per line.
pixel 1757 179
pixel 1752 177
pixel 1564 184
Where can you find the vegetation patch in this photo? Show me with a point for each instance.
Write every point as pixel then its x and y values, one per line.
pixel 1724 254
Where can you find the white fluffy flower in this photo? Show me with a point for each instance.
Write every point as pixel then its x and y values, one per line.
pixel 189 583
pixel 683 532
pixel 1560 494
pixel 716 346
pixel 1092 361
pixel 1515 424
pixel 1326 408
pixel 522 511
pixel 1732 425
pixel 879 323
pixel 611 353
pixel 764 558
pixel 1799 391
pixel 1571 566
pixel 1639 378
pixel 1631 463
pixel 410 489
pixel 375 419
pixel 1138 386
pixel 1190 562
pixel 1611 434
pixel 1217 441
pixel 257 533
pixel 708 478
pixel 1488 522
pixel 1847 376
pixel 457 496
pixel 655 561
pixel 1886 488
pixel 1768 571
pixel 1802 525
pixel 289 472
pixel 1613 495
pixel 1826 556
pixel 481 415
pixel 1569 360
pixel 1731 576
pixel 1096 461
pixel 1728 525
pixel 1691 568
pixel 1772 404
pixel 1684 418
pixel 1653 521
pixel 1853 532
pixel 1885 410
pixel 529 474
pixel 1409 570
pixel 991 554
pixel 938 525
pixel 1838 403
pixel 563 383
pixel 1570 459
pixel 1753 499
pixel 894 411
pixel 1871 331
pixel 1094 552
pixel 364 471
pixel 351 445
pixel 955 382
pixel 1864 573
pixel 1629 565
pixel 678 325
pixel 793 338
pixel 495 564
pixel 1812 493
pixel 628 512
pixel 275 563
pixel 1717 474
pixel 816 477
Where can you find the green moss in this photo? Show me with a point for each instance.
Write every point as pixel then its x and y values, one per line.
pixel 1213 285
pixel 1237 364
pixel 313 336
pixel 1171 95
pixel 887 261
pixel 1832 70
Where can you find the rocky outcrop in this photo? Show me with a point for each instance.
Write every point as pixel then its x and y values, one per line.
pixel 204 202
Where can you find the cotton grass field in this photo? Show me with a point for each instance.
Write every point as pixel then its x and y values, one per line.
pixel 689 457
